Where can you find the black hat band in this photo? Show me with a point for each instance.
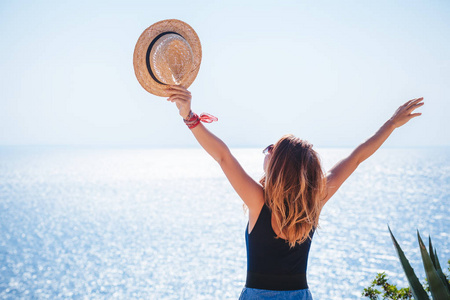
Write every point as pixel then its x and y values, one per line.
pixel 147 57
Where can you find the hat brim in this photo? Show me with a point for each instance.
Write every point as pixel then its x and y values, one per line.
pixel 141 67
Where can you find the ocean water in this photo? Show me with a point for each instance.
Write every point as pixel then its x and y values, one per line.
pixel 97 223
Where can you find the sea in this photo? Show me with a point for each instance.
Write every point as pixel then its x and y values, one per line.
pixel 145 223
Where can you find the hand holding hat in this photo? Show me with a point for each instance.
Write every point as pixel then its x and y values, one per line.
pixel 166 61
pixel 167 53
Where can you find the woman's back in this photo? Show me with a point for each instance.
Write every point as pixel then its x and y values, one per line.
pixel 271 263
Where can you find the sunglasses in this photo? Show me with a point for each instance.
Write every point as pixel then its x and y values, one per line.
pixel 268 149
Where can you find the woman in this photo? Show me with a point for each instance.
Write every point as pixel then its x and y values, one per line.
pixel 284 207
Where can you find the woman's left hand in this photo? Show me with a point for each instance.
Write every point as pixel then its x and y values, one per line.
pixel 404 112
pixel 182 98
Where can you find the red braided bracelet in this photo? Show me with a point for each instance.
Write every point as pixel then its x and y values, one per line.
pixel 192 120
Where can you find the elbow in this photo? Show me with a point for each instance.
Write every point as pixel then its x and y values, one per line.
pixel 359 155
pixel 223 157
pixel 358 162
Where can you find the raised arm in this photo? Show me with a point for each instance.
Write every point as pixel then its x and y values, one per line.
pixel 344 168
pixel 247 188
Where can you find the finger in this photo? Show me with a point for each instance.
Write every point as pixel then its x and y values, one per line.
pixel 412 101
pixel 413 106
pixel 177 92
pixel 415 115
pixel 178 88
pixel 184 98
pixel 179 100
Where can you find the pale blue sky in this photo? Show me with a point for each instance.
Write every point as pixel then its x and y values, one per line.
pixel 328 71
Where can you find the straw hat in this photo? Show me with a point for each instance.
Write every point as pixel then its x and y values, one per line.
pixel 168 52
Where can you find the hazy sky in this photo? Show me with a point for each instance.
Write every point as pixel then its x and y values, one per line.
pixel 331 72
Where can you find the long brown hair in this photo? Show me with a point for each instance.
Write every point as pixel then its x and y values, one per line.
pixel 293 187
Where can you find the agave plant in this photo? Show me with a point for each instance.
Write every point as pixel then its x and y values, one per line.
pixel 438 282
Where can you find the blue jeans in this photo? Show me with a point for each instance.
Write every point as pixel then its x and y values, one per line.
pixel 257 294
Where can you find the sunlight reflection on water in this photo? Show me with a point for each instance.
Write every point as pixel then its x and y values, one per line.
pixel 166 224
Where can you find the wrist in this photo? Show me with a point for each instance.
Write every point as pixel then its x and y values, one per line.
pixel 187 116
pixel 192 120
pixel 391 124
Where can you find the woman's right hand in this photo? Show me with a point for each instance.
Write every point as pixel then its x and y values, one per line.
pixel 404 112
pixel 182 98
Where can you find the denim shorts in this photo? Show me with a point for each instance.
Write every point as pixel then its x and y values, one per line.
pixel 257 294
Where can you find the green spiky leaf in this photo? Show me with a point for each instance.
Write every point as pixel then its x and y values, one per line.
pixel 433 259
pixel 437 265
pixel 437 287
pixel 414 283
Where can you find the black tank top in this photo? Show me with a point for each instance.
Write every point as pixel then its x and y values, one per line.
pixel 271 263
